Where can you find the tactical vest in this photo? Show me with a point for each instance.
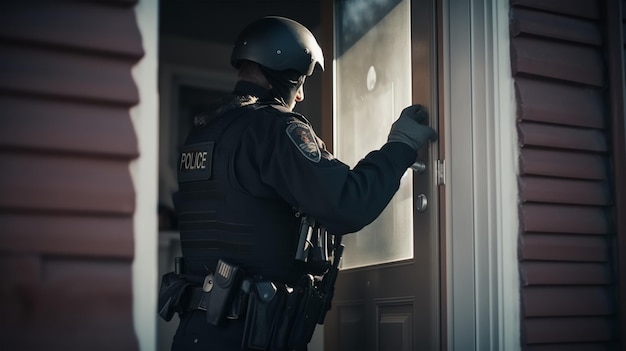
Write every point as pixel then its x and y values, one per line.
pixel 219 219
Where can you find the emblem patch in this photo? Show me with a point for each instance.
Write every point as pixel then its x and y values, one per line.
pixel 301 136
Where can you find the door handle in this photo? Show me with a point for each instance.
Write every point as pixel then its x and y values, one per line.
pixel 419 167
pixel 421 202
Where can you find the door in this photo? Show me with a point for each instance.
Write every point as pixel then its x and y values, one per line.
pixel 388 292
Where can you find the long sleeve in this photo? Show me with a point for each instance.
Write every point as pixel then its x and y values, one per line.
pixel 289 165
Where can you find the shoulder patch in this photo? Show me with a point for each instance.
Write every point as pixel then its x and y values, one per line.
pixel 301 135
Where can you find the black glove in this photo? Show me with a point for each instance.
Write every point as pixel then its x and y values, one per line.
pixel 411 128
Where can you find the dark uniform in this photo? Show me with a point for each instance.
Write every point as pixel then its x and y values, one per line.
pixel 247 176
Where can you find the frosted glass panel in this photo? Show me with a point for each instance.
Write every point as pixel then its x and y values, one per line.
pixel 373 84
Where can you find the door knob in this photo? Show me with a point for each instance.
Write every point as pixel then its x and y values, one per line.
pixel 418 167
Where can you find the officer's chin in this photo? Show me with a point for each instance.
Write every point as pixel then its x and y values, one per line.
pixel 292 105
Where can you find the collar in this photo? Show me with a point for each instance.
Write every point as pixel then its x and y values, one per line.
pixel 248 88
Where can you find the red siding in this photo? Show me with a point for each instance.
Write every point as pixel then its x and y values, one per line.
pixel 557 103
pixel 567 203
pixel 565 301
pixel 554 60
pixel 66 141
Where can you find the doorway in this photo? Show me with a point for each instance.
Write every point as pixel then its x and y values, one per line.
pixel 388 291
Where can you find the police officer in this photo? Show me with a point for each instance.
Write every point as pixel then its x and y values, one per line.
pixel 252 168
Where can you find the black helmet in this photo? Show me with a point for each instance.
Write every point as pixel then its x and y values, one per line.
pixel 279 44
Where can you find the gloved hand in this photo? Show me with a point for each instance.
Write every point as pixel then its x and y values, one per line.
pixel 411 128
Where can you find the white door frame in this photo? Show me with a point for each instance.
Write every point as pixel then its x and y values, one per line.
pixel 144 172
pixel 481 185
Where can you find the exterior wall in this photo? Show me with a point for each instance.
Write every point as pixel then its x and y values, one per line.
pixel 67 203
pixel 567 204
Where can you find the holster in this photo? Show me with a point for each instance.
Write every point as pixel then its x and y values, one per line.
pixel 226 284
pixel 171 293
pixel 285 320
pixel 265 305
pixel 280 317
pixel 309 307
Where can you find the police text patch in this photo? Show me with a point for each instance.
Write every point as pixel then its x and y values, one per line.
pixel 196 162
pixel 303 138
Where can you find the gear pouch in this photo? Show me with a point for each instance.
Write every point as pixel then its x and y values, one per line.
pixel 171 291
pixel 265 303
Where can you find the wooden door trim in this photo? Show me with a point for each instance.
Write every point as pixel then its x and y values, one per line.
pixel 615 44
pixel 327 42
pixel 441 127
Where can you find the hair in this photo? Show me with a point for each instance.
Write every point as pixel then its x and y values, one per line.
pixel 251 72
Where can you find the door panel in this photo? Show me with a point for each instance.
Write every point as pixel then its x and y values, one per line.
pixel 387 295
pixel 373 59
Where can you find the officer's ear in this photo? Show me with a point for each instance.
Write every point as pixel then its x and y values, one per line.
pixel 300 94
